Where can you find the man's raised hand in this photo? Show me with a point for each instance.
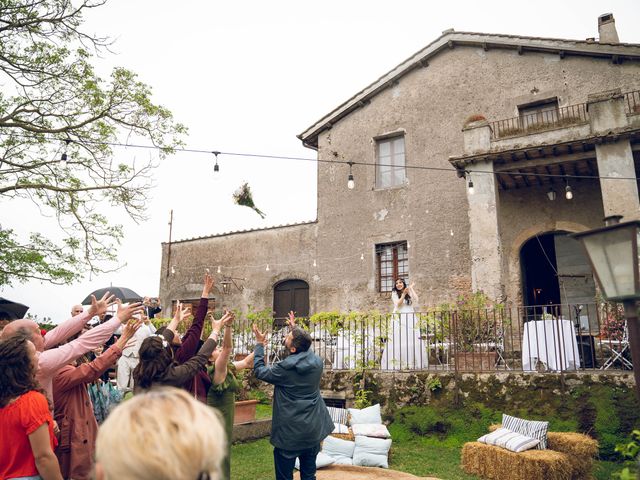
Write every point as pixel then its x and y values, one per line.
pixel 260 337
pixel 98 307
pixel 125 313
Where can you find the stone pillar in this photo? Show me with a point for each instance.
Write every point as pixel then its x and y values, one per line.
pixel 615 158
pixel 484 234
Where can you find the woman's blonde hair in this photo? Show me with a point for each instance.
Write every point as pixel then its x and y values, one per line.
pixel 163 434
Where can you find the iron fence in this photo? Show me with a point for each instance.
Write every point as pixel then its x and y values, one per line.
pixel 543 120
pixel 542 338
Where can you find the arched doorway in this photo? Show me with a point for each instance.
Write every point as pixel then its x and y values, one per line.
pixel 555 271
pixel 290 295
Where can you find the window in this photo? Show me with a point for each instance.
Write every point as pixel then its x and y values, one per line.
pixel 393 262
pixel 538 113
pixel 390 165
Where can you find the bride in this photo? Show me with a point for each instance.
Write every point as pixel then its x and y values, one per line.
pixel 405 350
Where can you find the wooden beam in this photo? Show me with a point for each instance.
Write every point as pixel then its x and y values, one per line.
pixel 524 178
pixel 538 162
pixel 592 171
pixel 548 171
pixel 539 179
pixel 503 185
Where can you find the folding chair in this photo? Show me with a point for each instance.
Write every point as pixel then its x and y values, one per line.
pixel 617 349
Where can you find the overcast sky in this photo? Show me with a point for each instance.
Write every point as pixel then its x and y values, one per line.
pixel 247 77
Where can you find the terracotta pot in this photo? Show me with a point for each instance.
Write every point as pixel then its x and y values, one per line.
pixel 240 356
pixel 474 361
pixel 245 411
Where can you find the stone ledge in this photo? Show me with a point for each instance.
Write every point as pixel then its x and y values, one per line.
pixel 243 432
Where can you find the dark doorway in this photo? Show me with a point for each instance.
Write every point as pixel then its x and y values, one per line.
pixel 290 295
pixel 539 273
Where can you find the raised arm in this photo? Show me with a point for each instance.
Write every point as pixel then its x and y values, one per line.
pixel 181 374
pixel 412 292
pixel 191 339
pixel 51 360
pixel 245 363
pixel 397 300
pixel 88 372
pixel 220 372
pixel 271 374
pixel 69 328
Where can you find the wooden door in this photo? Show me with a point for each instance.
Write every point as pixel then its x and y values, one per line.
pixel 290 295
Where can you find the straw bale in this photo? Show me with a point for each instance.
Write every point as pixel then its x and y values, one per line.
pixel 496 463
pixel 345 436
pixel 581 450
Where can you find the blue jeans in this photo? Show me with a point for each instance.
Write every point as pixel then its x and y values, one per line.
pixel 285 460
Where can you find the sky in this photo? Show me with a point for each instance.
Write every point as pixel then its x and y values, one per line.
pixel 248 76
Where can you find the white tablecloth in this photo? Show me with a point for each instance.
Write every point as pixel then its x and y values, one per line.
pixel 553 342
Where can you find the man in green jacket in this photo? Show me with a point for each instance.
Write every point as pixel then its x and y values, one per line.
pixel 300 418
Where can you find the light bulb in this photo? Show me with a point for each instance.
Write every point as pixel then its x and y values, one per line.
pixel 568 193
pixel 551 194
pixel 173 269
pixel 471 189
pixel 362 256
pixel 314 263
pixel 351 183
pixel 63 160
pixel 219 269
pixel 267 269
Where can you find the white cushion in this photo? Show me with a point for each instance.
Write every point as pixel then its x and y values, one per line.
pixel 340 428
pixel 338 449
pixel 371 430
pixel 343 461
pixel 322 460
pixel 530 428
pixel 505 438
pixel 366 415
pixel 371 452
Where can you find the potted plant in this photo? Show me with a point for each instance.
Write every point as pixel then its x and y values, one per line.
pixel 245 406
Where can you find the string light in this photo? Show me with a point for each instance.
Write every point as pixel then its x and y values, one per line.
pixel 362 256
pixel 267 269
pixel 471 189
pixel 314 263
pixel 63 158
pixel 568 193
pixel 551 194
pixel 173 269
pixel 216 168
pixel 219 270
pixel 350 181
pixel 320 160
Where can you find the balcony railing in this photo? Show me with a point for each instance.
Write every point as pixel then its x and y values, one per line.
pixel 549 338
pixel 632 100
pixel 540 121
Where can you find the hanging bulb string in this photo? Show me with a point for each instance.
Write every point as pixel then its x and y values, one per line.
pixel 338 161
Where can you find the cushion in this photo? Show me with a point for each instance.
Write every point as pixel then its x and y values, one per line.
pixel 530 428
pixel 339 415
pixel 340 428
pixel 505 438
pixel 366 415
pixel 338 449
pixel 371 452
pixel 371 430
pixel 322 460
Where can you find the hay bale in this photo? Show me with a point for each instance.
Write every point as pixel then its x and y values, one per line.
pixel 345 436
pixel 580 449
pixel 496 463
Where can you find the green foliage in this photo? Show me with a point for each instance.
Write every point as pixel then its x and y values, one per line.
pixel 630 452
pixel 362 399
pixel 58 120
pixel 434 384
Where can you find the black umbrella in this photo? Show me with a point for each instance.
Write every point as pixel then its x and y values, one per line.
pixel 125 294
pixel 11 310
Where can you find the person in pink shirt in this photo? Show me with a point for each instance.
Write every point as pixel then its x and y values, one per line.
pixel 52 357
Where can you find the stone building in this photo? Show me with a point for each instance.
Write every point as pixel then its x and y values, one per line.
pixel 418 138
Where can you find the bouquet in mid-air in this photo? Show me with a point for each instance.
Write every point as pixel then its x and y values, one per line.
pixel 242 196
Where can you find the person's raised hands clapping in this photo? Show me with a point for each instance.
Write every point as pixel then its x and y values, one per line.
pixel 291 322
pixel 128 332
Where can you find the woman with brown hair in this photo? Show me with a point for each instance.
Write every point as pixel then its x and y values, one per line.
pixel 26 424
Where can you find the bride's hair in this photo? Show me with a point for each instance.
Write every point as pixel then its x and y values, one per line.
pixel 407 297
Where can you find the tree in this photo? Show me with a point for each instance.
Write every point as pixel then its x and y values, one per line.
pixel 59 124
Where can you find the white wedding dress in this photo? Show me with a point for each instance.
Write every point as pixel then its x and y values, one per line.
pixel 405 349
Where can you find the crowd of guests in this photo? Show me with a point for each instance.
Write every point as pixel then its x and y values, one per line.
pixel 179 421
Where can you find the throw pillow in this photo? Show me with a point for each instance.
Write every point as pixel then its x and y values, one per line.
pixel 505 438
pixel 371 452
pixel 338 449
pixel 366 415
pixel 339 415
pixel 340 428
pixel 371 430
pixel 530 428
pixel 322 460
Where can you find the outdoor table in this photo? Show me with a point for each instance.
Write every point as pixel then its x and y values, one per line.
pixel 553 342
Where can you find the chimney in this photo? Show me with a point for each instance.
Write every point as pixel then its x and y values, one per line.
pixel 607 29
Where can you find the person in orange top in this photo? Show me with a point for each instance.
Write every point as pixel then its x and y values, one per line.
pixel 26 425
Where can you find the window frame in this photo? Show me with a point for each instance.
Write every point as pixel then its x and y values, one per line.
pixel 396 270
pixel 390 139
